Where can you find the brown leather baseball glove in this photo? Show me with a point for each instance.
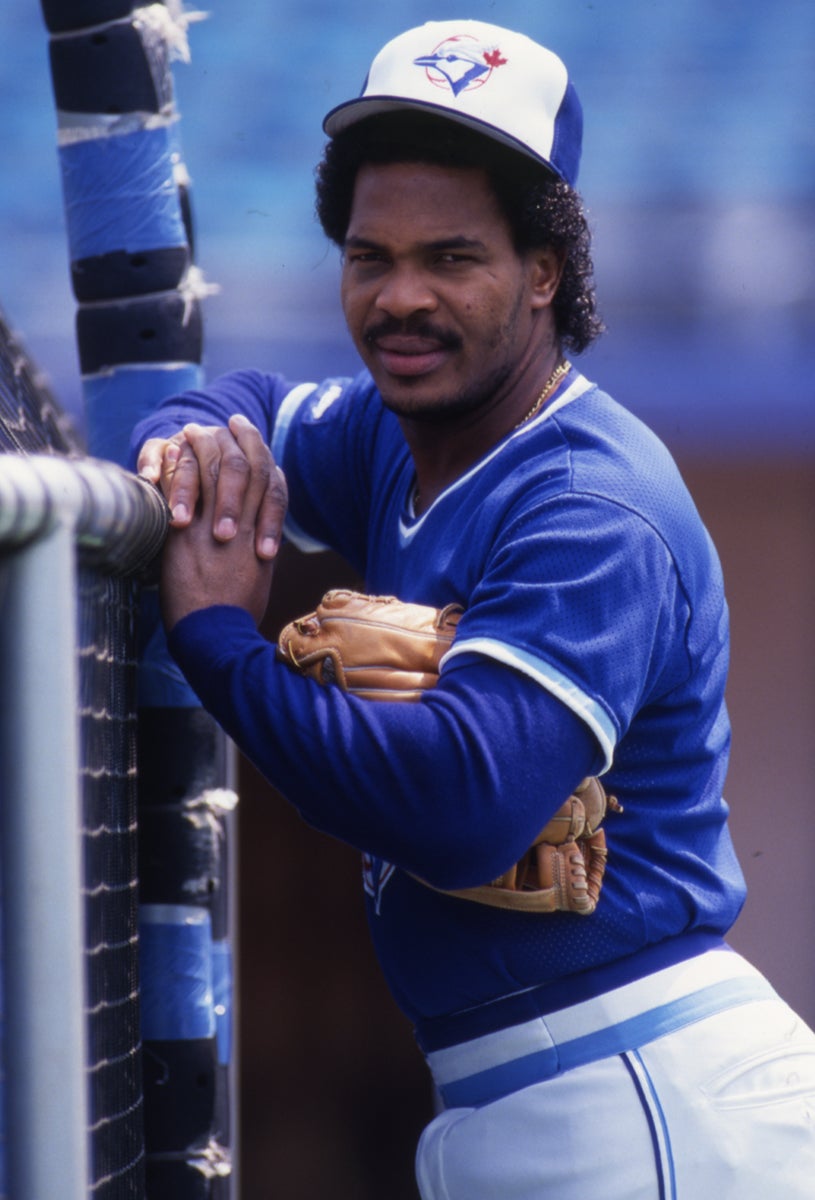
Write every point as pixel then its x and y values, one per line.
pixel 383 649
pixel 372 646
pixel 563 869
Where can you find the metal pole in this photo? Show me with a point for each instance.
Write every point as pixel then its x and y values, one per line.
pixel 40 843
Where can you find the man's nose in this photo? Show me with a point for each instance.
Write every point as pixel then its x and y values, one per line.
pixel 405 290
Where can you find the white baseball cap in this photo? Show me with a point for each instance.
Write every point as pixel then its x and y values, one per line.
pixel 496 81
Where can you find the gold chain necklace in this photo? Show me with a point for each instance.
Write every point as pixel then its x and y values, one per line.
pixel 551 383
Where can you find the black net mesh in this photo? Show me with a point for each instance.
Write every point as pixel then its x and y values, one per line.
pixel 107 710
pixel 31 423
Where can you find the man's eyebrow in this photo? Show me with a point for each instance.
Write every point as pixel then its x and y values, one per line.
pixel 361 243
pixel 454 242
pixel 459 242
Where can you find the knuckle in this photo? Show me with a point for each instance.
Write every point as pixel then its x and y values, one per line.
pixel 278 491
pixel 187 464
pixel 262 471
pixel 235 461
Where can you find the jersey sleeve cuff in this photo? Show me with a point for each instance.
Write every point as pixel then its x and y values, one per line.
pixel 196 642
pixel 553 680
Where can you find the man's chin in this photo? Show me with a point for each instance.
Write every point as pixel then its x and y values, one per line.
pixel 409 395
pixel 424 407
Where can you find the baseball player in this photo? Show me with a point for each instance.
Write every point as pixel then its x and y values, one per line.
pixel 546 860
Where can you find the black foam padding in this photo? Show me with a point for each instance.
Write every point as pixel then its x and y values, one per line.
pixel 179 1093
pixel 110 70
pixel 164 328
pixel 180 754
pixel 62 16
pixel 180 1179
pixel 181 855
pixel 185 203
pixel 119 273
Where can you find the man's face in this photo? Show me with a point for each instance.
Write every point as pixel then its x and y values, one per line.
pixel 443 310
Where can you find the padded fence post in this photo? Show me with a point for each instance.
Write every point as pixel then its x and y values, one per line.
pixel 46 1110
pixel 139 335
pixel 75 537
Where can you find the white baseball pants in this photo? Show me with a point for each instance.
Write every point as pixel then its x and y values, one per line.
pixel 719 1105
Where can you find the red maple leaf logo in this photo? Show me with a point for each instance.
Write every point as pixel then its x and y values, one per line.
pixel 493 58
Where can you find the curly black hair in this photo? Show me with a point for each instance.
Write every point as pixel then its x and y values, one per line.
pixel 540 209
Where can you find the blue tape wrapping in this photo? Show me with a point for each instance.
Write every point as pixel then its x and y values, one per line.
pixel 120 193
pixel 118 398
pixel 176 973
pixel 222 995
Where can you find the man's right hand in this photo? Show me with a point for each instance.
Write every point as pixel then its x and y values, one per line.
pixel 232 460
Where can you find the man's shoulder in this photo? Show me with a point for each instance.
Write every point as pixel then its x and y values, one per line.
pixel 343 398
pixel 593 455
pixel 608 447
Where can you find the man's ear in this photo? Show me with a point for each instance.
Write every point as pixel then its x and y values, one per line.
pixel 547 269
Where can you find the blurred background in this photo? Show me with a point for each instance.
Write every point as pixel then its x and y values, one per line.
pixel 699 178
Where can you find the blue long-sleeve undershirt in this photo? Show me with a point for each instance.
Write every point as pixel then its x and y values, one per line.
pixel 435 787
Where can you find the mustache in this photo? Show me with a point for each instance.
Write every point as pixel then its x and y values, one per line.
pixel 412 327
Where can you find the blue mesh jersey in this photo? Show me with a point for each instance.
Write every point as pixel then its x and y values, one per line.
pixel 594 638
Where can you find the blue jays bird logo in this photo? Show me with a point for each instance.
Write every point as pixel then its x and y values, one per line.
pixel 375 874
pixel 460 63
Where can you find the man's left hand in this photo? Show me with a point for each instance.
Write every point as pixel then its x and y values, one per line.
pixel 200 570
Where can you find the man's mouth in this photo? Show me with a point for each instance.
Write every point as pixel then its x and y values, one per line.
pixel 410 353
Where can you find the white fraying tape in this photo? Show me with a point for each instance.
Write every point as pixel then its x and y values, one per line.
pixel 218 800
pixel 180 173
pixel 74 127
pixel 169 22
pixel 194 287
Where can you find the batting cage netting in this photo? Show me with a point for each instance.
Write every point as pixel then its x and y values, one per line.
pixel 116 810
pixel 75 537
